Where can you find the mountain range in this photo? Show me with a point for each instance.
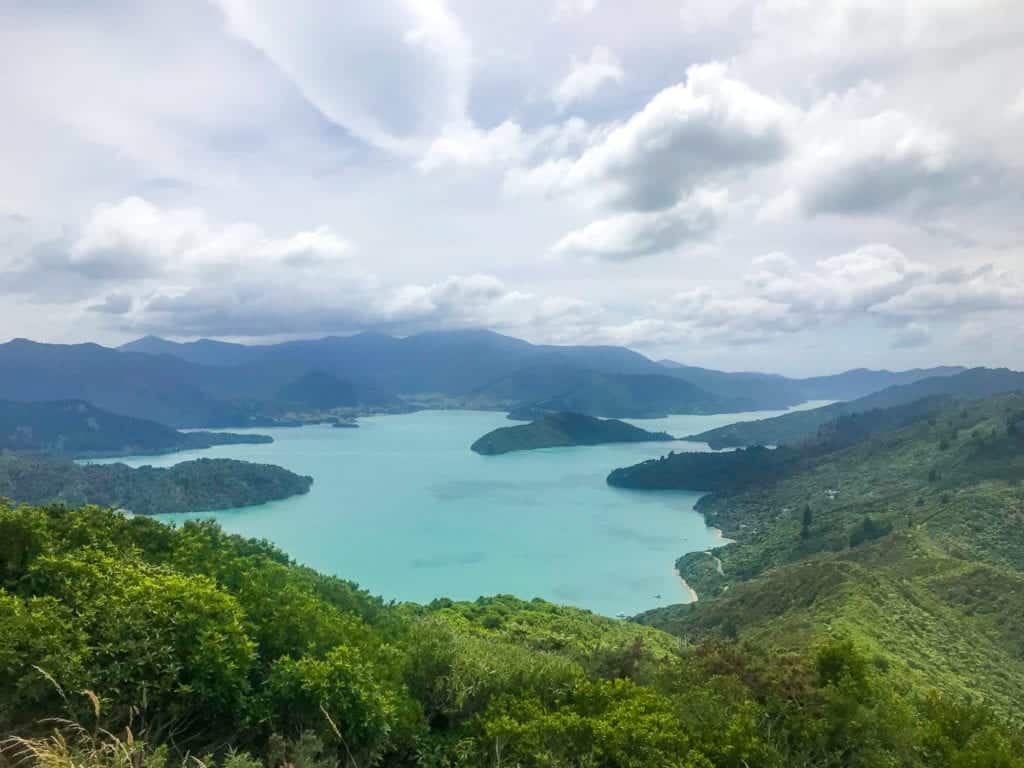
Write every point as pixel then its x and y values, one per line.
pixel 210 383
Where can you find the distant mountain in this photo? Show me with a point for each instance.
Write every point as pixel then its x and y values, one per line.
pixel 640 396
pixel 318 391
pixel 192 486
pixel 201 352
pixel 770 391
pixel 210 383
pixel 860 382
pixel 161 388
pixel 449 362
pixel 563 429
pixel 793 427
pixel 74 428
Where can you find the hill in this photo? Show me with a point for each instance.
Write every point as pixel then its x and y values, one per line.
pixel 74 428
pixel 317 391
pixel 191 486
pixel 563 429
pixel 212 644
pixel 907 540
pixel 800 425
pixel 160 388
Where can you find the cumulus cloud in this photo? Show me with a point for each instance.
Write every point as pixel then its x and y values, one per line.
pixel 392 72
pixel 506 146
pixel 174 271
pixel 782 298
pixel 710 125
pixel 587 76
pixel 627 236
pixel 877 162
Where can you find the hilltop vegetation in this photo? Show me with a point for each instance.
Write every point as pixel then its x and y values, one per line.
pixel 76 429
pixel 562 429
pixel 207 643
pixel 908 540
pixel 191 486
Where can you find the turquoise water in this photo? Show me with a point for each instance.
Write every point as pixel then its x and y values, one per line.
pixel 404 508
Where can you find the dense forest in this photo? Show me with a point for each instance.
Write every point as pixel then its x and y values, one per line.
pixel 153 644
pixel 191 486
pixel 562 429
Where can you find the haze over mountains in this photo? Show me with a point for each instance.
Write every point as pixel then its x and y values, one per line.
pixel 211 383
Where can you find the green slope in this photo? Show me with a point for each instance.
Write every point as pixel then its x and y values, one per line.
pixel 909 541
pixel 794 427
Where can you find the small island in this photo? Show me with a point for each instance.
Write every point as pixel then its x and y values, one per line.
pixel 563 429
pixel 202 485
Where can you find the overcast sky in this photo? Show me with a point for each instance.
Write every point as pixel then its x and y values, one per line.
pixel 790 185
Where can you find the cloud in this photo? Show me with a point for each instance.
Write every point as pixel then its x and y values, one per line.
pixel 688 133
pixel 878 162
pixel 587 77
pixel 174 271
pixel 114 304
pixel 574 9
pixel 914 335
pixel 392 72
pixel 781 298
pixel 627 236
pixel 505 146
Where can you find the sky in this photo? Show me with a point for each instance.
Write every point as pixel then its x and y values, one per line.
pixel 800 186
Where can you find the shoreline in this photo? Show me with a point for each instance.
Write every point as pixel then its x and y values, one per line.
pixel 689 590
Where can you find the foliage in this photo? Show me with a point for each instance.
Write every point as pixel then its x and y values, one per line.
pixel 191 486
pixel 198 643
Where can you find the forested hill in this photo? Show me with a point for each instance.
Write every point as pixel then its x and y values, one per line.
pixel 191 486
pixel 909 540
pixel 563 429
pixel 793 427
pixel 74 428
pixel 210 644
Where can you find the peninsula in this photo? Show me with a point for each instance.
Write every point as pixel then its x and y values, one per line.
pixel 202 485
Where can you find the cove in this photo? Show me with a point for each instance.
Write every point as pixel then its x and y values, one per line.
pixel 404 508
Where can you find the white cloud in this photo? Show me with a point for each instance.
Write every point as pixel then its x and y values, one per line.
pixel 465 145
pixel 574 9
pixel 392 72
pixel 876 162
pixel 709 125
pixel 913 335
pixel 627 236
pixel 587 77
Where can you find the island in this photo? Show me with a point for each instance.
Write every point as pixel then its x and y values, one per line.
pixel 202 485
pixel 563 429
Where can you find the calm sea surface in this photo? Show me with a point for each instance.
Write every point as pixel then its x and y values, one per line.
pixel 404 508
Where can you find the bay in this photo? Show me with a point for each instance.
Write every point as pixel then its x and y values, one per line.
pixel 404 508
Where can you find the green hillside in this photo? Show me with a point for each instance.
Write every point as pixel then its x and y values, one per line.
pixel 156 645
pixel 191 486
pixel 910 541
